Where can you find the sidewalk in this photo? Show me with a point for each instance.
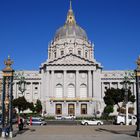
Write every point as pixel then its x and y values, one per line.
pixel 54 132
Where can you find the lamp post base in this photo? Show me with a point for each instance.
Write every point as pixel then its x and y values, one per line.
pixel 11 134
pixel 137 134
pixel 3 135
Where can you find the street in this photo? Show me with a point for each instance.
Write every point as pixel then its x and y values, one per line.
pixel 76 132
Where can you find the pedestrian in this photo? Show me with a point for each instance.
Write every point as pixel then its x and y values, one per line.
pixel 20 126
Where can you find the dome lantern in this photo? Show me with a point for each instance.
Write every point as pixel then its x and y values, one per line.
pixel 70 29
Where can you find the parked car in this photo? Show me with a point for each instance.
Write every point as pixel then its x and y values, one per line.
pixel 58 117
pixel 14 120
pixel 36 121
pixel 92 122
pixel 120 119
pixel 69 117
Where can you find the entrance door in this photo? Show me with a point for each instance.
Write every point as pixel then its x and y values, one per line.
pixel 58 109
pixel 71 109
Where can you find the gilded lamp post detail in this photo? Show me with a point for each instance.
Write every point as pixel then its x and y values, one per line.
pixel 7 96
pixel 137 72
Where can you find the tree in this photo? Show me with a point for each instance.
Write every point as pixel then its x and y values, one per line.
pixel 32 107
pixel 115 96
pixel 21 103
pixel 108 109
pixel 38 106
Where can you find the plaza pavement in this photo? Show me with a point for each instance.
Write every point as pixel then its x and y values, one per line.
pixel 76 132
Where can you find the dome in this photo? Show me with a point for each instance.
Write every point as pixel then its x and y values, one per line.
pixel 70 29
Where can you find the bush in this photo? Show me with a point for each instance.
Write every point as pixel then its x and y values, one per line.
pixel 30 114
pixel 84 118
pixel 49 118
pixel 106 117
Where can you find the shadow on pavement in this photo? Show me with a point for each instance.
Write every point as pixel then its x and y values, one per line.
pixel 130 133
pixel 23 131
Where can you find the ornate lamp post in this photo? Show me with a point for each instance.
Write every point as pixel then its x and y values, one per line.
pixel 22 83
pixel 137 72
pixel 7 96
pixel 22 87
pixel 126 81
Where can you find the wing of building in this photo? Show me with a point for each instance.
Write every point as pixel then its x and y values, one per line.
pixel 71 81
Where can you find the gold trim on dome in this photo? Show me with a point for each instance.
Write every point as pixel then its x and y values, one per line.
pixel 70 16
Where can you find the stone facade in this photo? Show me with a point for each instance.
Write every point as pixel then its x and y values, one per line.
pixel 71 81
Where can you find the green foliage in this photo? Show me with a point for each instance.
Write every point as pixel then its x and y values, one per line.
pixel 106 117
pixel 108 109
pixel 32 107
pixel 38 106
pixel 85 118
pixel 49 118
pixel 32 114
pixel 131 97
pixel 114 97
pixel 21 103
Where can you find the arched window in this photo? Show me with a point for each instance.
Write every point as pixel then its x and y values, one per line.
pixel 54 54
pixel 86 54
pixel 79 52
pixel 59 91
pixel 71 91
pixel 62 52
pixel 83 91
pixel 49 55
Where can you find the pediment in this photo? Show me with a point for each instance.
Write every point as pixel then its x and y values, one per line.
pixel 71 60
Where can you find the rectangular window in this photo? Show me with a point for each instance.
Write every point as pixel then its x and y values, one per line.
pixel 71 110
pixel 70 51
pixel 79 52
pixel 62 52
pixel 85 54
pixel 49 55
pixel 54 54
pixel 58 109
pixel 83 109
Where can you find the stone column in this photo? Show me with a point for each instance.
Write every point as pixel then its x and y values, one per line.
pixel 47 84
pixel 101 90
pixel 93 84
pixel 77 84
pixel 89 84
pixel 32 91
pixel 52 84
pixel 134 88
pixel 39 89
pixel 64 84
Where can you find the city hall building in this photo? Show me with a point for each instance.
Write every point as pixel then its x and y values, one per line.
pixel 71 81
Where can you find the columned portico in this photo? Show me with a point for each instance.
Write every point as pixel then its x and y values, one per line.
pixel 89 84
pixel 64 83
pixel 48 82
pixel 77 83
pixel 93 84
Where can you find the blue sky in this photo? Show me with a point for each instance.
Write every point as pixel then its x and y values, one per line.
pixel 27 26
